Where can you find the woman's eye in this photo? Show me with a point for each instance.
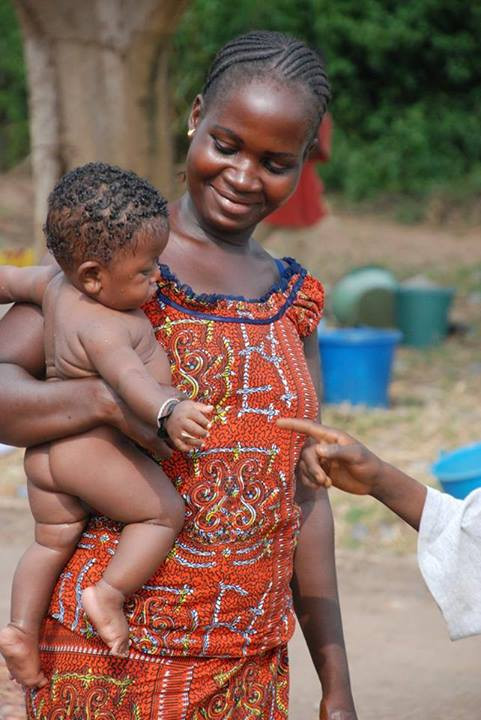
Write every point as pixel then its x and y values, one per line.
pixel 277 169
pixel 224 149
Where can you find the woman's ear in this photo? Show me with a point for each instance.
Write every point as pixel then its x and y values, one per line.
pixel 312 150
pixel 89 277
pixel 196 113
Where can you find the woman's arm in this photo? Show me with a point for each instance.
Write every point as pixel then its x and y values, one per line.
pixel 315 587
pixel 33 411
pixel 317 604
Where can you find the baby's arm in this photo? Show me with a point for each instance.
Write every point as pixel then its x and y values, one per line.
pixel 25 284
pixel 111 352
pixel 350 466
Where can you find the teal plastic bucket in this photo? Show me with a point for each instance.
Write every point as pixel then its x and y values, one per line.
pixel 356 364
pixel 422 314
pixel 459 472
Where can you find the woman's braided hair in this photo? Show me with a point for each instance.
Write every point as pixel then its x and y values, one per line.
pixel 96 209
pixel 262 53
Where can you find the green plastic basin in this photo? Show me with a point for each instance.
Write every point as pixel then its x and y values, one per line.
pixel 365 296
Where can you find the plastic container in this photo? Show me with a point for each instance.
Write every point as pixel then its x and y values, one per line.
pixel 356 364
pixel 422 313
pixel 459 472
pixel 365 296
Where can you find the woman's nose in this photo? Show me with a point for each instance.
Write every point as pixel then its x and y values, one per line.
pixel 244 177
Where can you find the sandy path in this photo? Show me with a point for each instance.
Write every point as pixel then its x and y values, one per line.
pixel 403 665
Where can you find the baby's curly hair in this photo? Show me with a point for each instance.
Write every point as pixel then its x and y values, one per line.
pixel 96 209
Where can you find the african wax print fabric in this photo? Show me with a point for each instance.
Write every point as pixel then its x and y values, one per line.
pixel 224 588
pixel 89 684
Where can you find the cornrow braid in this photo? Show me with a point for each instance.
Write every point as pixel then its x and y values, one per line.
pixel 263 53
pixel 96 209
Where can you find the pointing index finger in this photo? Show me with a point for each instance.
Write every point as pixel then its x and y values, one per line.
pixel 314 430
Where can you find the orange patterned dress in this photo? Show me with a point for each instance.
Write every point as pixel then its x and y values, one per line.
pixel 209 630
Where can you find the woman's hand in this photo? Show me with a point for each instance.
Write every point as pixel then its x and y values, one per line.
pixel 332 457
pixel 117 414
pixel 328 712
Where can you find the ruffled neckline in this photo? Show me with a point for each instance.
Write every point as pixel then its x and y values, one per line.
pixel 288 271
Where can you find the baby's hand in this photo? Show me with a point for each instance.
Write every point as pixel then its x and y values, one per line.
pixel 334 458
pixel 188 425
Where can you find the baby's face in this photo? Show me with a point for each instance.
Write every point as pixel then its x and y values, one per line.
pixel 132 276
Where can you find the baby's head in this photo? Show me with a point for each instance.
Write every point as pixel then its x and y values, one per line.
pixel 106 228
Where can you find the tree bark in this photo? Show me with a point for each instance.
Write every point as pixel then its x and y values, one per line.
pixel 98 88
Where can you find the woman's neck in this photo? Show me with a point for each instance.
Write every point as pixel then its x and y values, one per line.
pixel 185 223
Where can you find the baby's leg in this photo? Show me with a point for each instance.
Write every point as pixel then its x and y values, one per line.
pixel 59 521
pixel 116 479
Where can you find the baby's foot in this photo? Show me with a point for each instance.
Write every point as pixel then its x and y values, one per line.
pixel 104 607
pixel 20 650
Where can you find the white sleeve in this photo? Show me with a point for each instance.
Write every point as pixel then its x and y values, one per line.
pixel 449 557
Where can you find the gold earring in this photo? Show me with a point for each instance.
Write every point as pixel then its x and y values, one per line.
pixel 190 132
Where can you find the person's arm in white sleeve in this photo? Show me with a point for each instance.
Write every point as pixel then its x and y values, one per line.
pixel 449 543
pixel 449 557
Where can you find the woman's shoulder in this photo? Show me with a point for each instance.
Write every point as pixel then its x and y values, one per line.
pixel 307 303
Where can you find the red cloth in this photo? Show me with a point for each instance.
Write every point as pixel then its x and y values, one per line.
pixel 306 205
pixel 87 683
pixel 208 631
pixel 224 588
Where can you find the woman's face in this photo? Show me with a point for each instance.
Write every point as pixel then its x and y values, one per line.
pixel 246 153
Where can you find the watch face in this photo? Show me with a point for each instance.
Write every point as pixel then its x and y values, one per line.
pixel 162 432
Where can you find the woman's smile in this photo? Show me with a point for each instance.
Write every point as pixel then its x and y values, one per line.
pixel 235 204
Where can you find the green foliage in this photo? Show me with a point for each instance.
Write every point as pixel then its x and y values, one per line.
pixel 14 140
pixel 405 77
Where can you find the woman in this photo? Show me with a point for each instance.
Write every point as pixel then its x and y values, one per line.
pixel 208 635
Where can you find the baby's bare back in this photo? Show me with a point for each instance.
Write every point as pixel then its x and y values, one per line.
pixel 68 315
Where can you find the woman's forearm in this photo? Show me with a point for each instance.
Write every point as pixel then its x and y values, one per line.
pixel 33 411
pixel 316 598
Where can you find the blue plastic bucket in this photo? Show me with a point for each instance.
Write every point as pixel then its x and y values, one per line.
pixel 459 472
pixel 356 364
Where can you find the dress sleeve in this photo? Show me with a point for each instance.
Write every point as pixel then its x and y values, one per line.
pixel 448 554
pixel 306 310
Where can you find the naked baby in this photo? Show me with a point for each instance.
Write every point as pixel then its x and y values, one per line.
pixel 106 228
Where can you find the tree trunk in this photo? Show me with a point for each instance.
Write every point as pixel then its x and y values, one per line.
pixel 98 88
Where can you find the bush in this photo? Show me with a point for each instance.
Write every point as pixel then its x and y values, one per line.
pixel 405 78
pixel 406 97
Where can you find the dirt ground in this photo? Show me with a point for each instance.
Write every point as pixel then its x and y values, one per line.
pixel 403 665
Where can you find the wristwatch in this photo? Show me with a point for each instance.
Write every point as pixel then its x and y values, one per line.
pixel 166 410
